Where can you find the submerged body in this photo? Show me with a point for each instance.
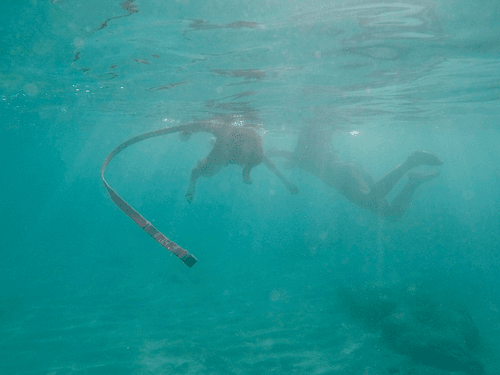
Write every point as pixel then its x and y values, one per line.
pixel 240 145
pixel 313 154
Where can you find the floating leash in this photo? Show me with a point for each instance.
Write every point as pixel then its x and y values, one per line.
pixel 188 259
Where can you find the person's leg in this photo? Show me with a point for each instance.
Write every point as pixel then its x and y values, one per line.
pixel 400 203
pixel 354 178
pixel 388 181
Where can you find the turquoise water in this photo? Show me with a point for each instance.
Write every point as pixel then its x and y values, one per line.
pixel 284 284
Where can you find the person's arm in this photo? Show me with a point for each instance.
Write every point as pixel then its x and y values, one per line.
pixel 291 187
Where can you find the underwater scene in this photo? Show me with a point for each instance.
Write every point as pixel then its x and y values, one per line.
pixel 250 187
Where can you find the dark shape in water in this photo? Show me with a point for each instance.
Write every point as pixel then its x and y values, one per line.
pixel 415 323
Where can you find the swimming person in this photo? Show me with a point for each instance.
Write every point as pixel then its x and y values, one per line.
pixel 314 155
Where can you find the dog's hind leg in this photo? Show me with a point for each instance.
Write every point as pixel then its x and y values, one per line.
pixel 206 168
pixel 246 173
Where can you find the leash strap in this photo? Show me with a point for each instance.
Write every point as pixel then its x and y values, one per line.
pixel 188 259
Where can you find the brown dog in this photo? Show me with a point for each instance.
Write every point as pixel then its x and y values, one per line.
pixel 234 145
